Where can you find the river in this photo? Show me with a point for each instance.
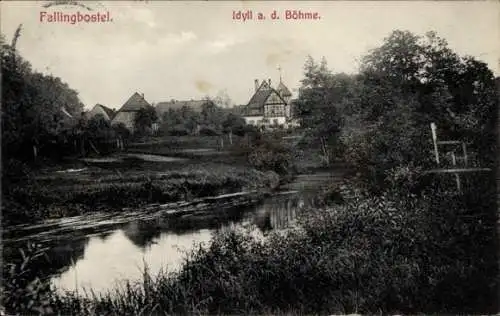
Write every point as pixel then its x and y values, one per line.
pixel 99 252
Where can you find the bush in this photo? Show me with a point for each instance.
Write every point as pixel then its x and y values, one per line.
pixel 209 131
pixel 271 155
pixel 384 255
pixel 178 130
pixel 369 255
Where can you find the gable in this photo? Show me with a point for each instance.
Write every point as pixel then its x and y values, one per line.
pixel 98 110
pixel 134 103
pixel 260 98
pixel 283 90
pixel 274 98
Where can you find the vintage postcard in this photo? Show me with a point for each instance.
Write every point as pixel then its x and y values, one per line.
pixel 250 157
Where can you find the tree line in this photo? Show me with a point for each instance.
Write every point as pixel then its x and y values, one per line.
pixel 378 119
pixel 39 111
pixel 42 117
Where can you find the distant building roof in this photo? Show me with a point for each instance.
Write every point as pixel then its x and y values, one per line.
pixel 134 103
pixel 283 90
pixel 256 104
pixel 195 105
pixel 236 110
pixel 109 111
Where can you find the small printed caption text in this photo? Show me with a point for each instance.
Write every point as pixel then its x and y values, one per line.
pixel 249 15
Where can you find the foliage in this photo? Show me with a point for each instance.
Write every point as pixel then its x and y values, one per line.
pixel 318 104
pixel 404 85
pixel 212 120
pixel 268 154
pixel 182 121
pixel 121 130
pixel 144 120
pixel 367 255
pixel 34 200
pixel 208 131
pixel 32 108
pixel 223 100
pixel 22 290
pixel 234 124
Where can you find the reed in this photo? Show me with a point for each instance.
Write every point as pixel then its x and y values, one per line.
pixel 367 255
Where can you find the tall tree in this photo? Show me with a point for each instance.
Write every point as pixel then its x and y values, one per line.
pixel 144 120
pixel 411 81
pixel 317 105
pixel 36 109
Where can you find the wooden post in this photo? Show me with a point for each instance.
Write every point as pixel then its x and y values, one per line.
pixel 434 140
pixel 35 152
pixel 457 176
pixel 464 149
pixel 93 147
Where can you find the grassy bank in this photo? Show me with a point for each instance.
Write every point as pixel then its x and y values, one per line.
pixel 430 253
pixel 58 195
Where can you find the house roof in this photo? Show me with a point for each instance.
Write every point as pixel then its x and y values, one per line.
pixel 134 103
pixel 236 110
pixel 283 90
pixel 196 105
pixel 256 104
pixel 110 112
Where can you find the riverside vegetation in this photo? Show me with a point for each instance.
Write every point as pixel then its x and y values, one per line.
pixel 389 240
pixel 368 254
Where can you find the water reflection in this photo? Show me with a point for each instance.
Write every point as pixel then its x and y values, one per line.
pixel 104 258
pixel 281 211
pixel 108 263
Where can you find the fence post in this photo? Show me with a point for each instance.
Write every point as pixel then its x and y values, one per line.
pixel 457 176
pixel 464 149
pixel 434 141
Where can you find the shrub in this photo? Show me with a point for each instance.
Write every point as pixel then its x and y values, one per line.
pixel 209 131
pixel 271 155
pixel 178 130
pixel 385 255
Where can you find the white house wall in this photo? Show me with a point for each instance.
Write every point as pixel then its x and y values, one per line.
pixel 253 120
pixel 126 118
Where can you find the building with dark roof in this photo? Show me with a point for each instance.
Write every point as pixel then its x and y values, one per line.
pixel 195 105
pixel 268 106
pixel 107 113
pixel 126 114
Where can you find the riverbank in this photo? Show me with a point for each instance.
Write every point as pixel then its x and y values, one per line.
pixel 391 254
pixel 108 187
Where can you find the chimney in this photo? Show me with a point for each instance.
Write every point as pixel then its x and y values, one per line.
pixel 269 80
pixel 142 95
pixel 256 84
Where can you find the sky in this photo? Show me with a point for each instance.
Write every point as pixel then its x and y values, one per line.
pixel 188 50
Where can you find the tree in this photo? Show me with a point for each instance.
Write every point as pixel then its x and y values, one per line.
pixel 190 119
pixel 409 82
pixel 223 100
pixel 144 120
pixel 233 124
pixel 37 110
pixel 318 103
pixel 212 116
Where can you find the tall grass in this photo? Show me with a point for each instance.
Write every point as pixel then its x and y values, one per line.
pixel 423 254
pixel 35 200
